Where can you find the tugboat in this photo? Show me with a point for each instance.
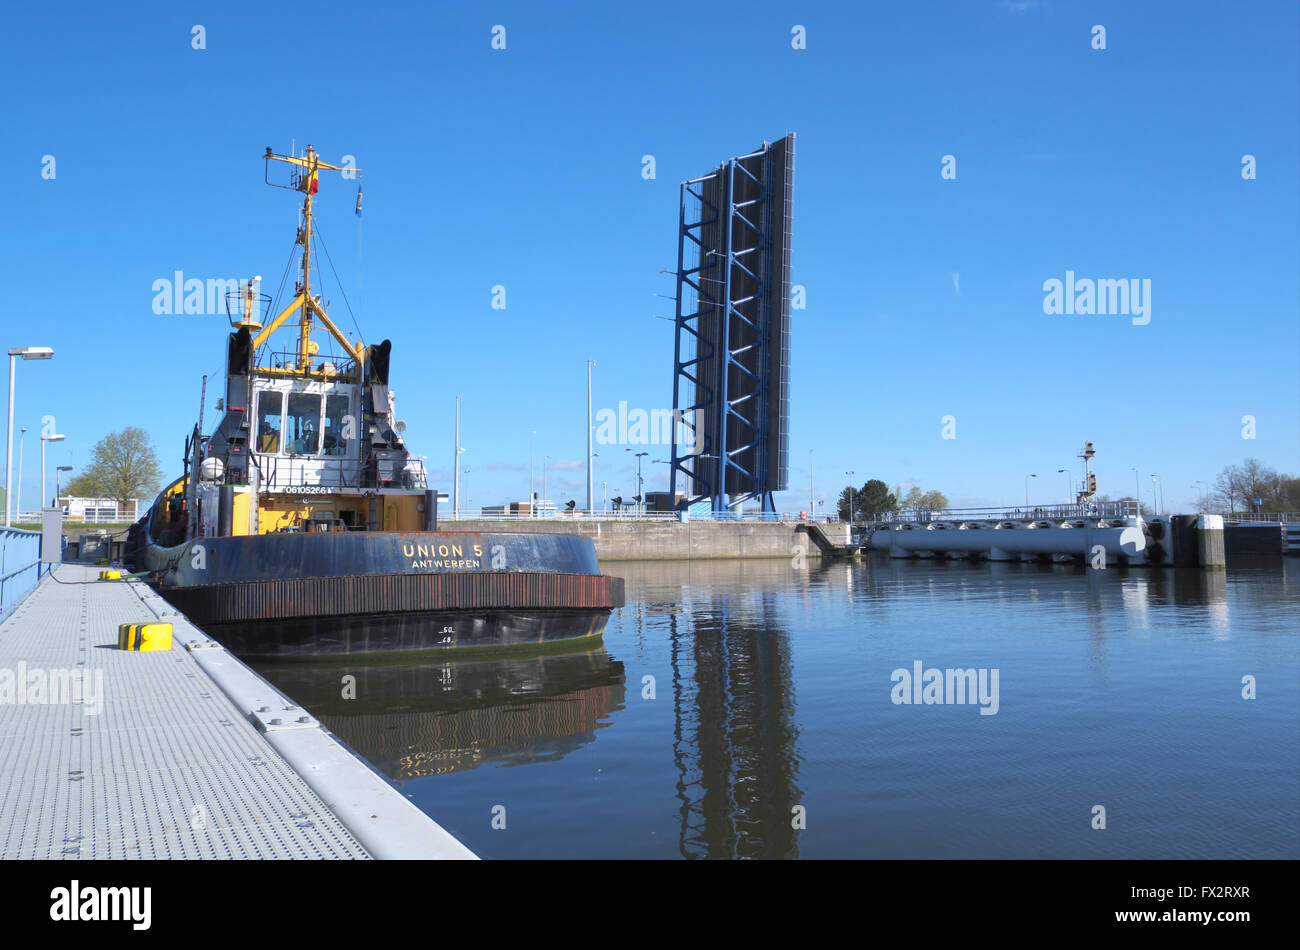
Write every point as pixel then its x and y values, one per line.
pixel 302 524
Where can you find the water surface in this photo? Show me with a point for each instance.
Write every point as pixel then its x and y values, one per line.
pixel 733 700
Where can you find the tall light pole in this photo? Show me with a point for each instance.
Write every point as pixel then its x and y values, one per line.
pixel 1137 492
pixel 52 437
pixel 546 477
pixel 18 502
pixel 639 483
pixel 1027 478
pixel 467 498
pixel 1069 488
pixel 531 500
pixel 1155 499
pixel 850 474
pixel 27 353
pixel 669 463
pixel 1200 496
pixel 590 499
pixel 57 489
pixel 455 467
pixel 812 487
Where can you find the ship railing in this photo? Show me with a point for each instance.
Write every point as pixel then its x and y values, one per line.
pixel 283 472
pixel 1103 509
pixel 288 360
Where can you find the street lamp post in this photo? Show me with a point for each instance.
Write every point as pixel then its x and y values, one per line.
pixel 1069 483
pixel 1027 478
pixel 1155 498
pixel 1200 495
pixel 640 485
pixel 27 353
pixel 531 494
pixel 1137 492
pixel 812 486
pixel 18 501
pixel 468 500
pixel 455 467
pixel 850 474
pixel 590 484
pixel 546 477
pixel 668 462
pixel 57 488
pixel 52 437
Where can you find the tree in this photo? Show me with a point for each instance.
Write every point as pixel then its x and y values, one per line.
pixel 1288 493
pixel 842 505
pixel 1237 487
pixel 873 498
pixel 877 499
pixel 924 500
pixel 123 466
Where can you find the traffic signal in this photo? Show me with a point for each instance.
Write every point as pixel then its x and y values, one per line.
pixel 1092 484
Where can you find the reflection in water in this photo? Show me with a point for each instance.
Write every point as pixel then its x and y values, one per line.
pixel 734 733
pixel 416 719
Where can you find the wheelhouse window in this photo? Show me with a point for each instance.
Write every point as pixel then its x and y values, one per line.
pixel 270 410
pixel 336 413
pixel 302 424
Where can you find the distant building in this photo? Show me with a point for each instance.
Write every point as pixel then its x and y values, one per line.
pixel 663 501
pixel 99 510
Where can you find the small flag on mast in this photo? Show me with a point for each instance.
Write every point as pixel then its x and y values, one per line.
pixel 358 201
pixel 312 184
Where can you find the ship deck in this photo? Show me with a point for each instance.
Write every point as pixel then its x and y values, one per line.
pixel 184 753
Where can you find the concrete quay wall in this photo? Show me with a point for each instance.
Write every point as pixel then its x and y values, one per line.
pixel 677 540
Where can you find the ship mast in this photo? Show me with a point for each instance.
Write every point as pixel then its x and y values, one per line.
pixel 305 304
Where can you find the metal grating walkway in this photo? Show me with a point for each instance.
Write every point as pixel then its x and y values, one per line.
pixel 167 768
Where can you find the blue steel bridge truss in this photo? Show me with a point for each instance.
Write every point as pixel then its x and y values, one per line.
pixel 731 355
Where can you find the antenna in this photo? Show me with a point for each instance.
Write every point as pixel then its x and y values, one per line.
pixel 307 171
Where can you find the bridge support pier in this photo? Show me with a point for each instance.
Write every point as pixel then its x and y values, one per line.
pixel 1209 542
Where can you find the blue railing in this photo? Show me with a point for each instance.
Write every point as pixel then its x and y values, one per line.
pixel 20 564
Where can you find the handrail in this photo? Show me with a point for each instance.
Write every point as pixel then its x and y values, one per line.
pixel 1263 517
pixel 1104 509
pixel 12 539
pixel 552 514
pixel 278 472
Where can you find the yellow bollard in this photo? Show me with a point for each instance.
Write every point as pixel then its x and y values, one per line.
pixel 144 636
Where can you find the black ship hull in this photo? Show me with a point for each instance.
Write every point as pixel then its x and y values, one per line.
pixel 381 592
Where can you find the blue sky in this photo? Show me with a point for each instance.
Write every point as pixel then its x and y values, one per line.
pixel 522 167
